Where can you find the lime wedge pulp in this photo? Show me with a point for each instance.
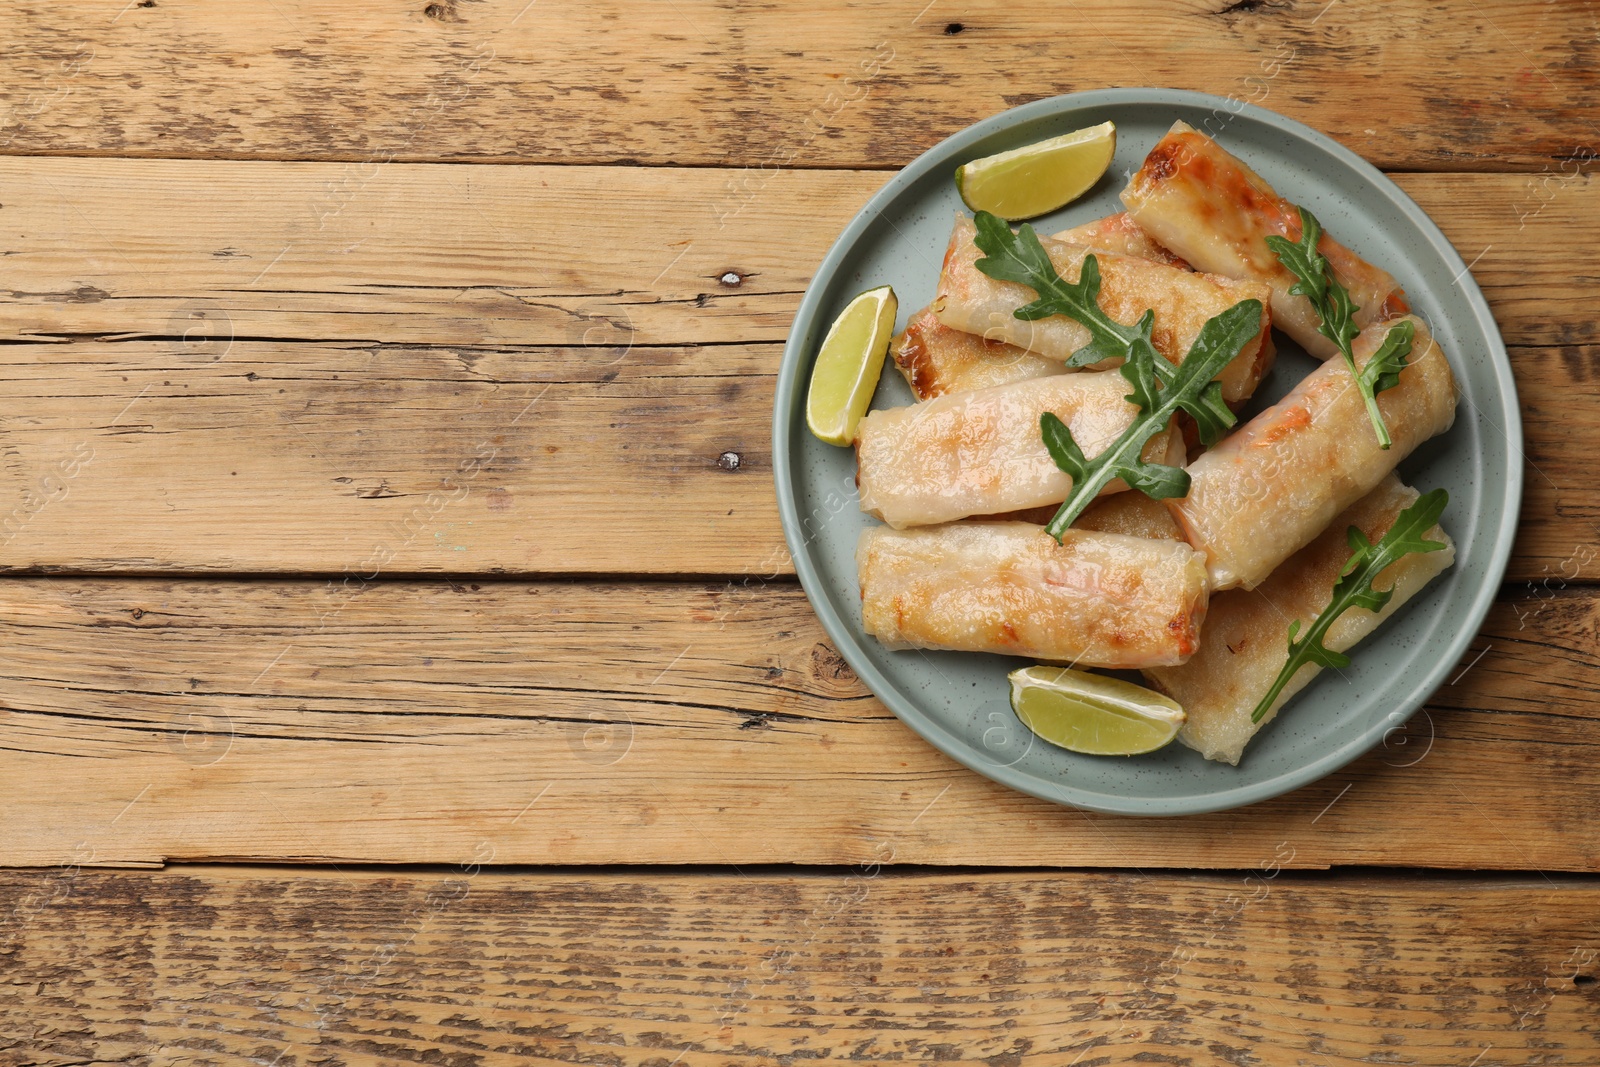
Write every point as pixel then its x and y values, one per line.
pixel 1038 178
pixel 848 365
pixel 1091 713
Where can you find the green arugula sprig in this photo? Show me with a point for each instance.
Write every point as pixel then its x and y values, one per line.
pixel 1332 303
pixel 1354 588
pixel 1160 390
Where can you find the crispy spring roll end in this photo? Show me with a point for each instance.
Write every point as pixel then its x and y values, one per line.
pixel 936 360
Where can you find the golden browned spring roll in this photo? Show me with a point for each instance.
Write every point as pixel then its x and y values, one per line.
pixel 971 301
pixel 1208 207
pixel 1096 600
pixel 981 453
pixel 936 360
pixel 1119 235
pixel 1246 639
pixel 1132 514
pixel 1275 483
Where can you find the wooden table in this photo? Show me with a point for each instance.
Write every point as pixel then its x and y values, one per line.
pixel 401 660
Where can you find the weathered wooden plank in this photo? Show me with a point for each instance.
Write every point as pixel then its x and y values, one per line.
pixel 1558 537
pixel 379 460
pixel 149 720
pixel 605 257
pixel 240 966
pixel 433 254
pixel 839 84
pixel 388 459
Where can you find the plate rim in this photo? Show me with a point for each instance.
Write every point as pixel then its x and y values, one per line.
pixel 844 636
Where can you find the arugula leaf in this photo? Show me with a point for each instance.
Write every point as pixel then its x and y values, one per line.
pixel 1159 389
pixel 1354 589
pixel 1019 257
pixel 1332 303
pixel 1382 371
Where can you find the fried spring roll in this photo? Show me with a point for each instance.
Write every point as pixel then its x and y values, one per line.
pixel 1208 207
pixel 971 301
pixel 1246 640
pixel 1275 483
pixel 1132 514
pixel 981 453
pixel 1119 235
pixel 937 360
pixel 1096 600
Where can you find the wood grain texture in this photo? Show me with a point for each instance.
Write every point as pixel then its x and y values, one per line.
pixel 152 720
pixel 372 460
pixel 433 254
pixel 275 345
pixel 839 83
pixel 410 443
pixel 391 459
pixel 228 966
pixel 604 257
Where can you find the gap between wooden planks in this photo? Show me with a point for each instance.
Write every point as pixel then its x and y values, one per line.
pixel 829 84
pixel 153 720
pixel 251 966
pixel 426 436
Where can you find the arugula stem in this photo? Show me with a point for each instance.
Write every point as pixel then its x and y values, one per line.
pixel 1378 425
pixel 1297 657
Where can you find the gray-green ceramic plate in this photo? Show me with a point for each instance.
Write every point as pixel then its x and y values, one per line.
pixel 958 701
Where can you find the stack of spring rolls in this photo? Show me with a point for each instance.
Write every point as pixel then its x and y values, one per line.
pixel 1197 592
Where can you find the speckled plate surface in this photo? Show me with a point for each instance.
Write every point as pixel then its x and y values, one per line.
pixel 958 701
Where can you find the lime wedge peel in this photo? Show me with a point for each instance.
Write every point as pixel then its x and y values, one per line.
pixel 1038 178
pixel 1093 714
pixel 849 364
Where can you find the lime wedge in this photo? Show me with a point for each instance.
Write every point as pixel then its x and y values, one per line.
pixel 848 365
pixel 1038 178
pixel 1091 713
